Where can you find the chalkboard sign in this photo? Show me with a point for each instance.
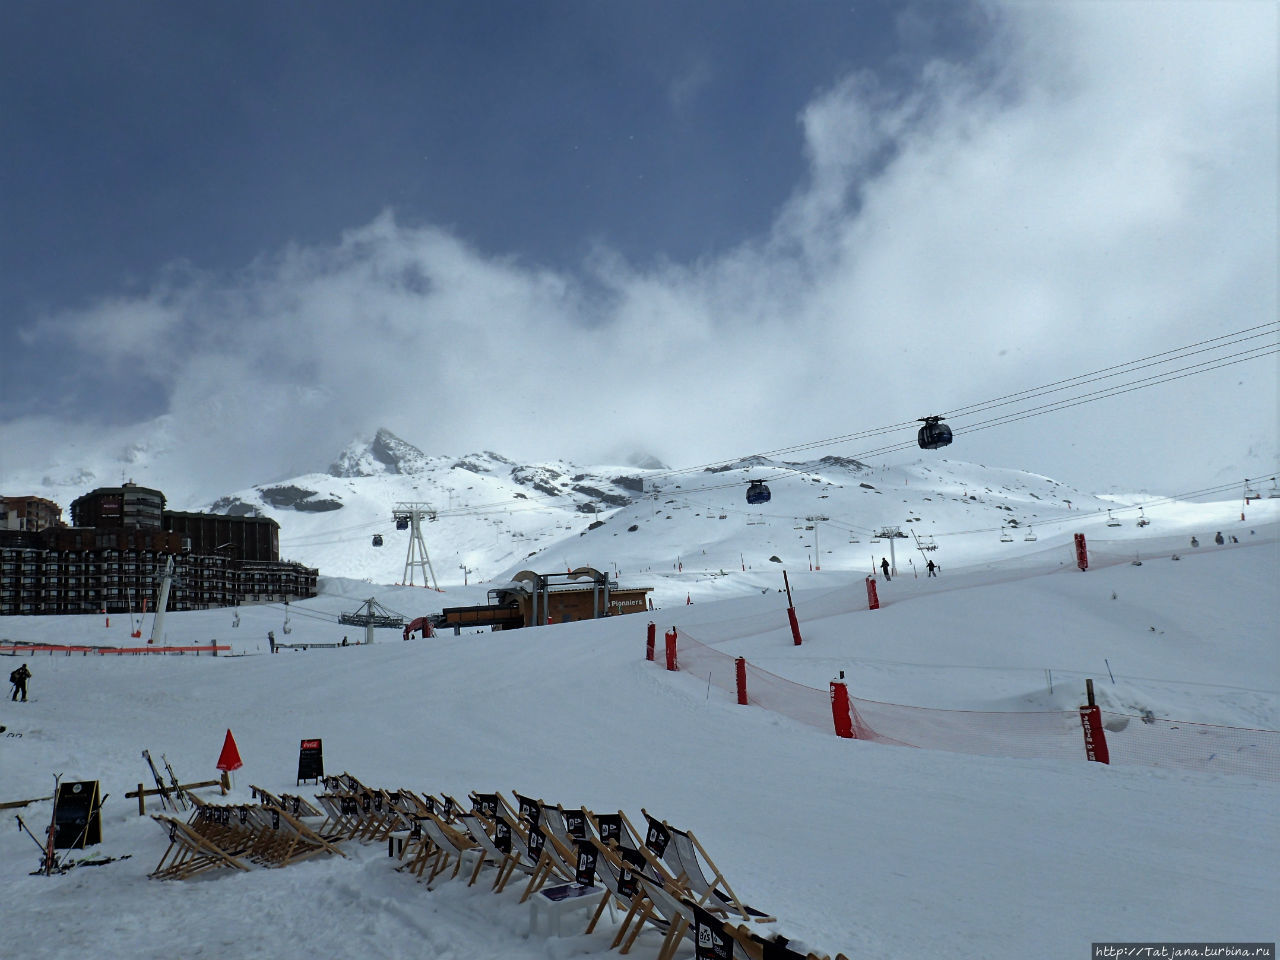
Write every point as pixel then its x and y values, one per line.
pixel 77 822
pixel 310 761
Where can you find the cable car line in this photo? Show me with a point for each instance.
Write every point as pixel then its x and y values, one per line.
pixel 1013 416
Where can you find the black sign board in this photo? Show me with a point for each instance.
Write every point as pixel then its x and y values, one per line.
pixel 537 840
pixel 502 835
pixel 487 804
pixel 657 837
pixel 529 810
pixel 712 942
pixel 576 823
pixel 610 827
pixel 629 877
pixel 310 761
pixel 77 822
pixel 586 866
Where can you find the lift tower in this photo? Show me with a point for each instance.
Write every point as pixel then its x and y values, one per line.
pixel 409 516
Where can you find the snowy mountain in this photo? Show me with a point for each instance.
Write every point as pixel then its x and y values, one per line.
pixel 494 517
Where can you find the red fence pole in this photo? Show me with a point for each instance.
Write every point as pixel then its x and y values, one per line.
pixel 873 598
pixel 1095 740
pixel 1082 553
pixel 741 664
pixel 795 625
pixel 840 711
pixel 649 640
pixel 671 650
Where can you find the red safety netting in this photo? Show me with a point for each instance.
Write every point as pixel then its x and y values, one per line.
pixel 1040 734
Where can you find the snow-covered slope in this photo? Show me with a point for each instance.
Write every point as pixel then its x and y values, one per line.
pixel 873 850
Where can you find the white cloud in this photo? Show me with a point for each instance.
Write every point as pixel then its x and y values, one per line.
pixel 1101 185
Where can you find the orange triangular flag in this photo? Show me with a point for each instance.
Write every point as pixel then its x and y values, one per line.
pixel 229 759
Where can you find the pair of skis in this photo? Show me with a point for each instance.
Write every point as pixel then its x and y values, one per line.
pixel 171 796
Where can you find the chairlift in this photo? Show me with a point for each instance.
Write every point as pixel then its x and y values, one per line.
pixel 1142 518
pixel 377 539
pixel 1112 521
pixel 934 433
pixel 1006 536
pixel 1030 536
pixel 1250 493
pixel 758 493
pixel 1274 491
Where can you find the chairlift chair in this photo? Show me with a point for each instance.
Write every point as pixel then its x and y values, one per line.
pixel 758 493
pixel 1030 536
pixel 1250 493
pixel 1112 521
pixel 1274 491
pixel 934 433
pixel 1006 536
pixel 1142 518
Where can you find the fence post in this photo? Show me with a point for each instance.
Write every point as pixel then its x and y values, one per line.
pixel 671 650
pixel 791 611
pixel 741 664
pixel 649 640
pixel 1082 553
pixel 1095 740
pixel 873 597
pixel 840 711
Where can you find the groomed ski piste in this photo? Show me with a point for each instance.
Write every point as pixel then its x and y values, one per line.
pixel 866 848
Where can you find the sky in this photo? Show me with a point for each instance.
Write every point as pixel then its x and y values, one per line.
pixel 235 238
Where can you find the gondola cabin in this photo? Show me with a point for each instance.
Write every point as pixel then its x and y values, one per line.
pixel 758 493
pixel 934 433
pixel 402 523
pixel 377 539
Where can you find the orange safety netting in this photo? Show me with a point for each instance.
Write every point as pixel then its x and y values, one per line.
pixel 1039 734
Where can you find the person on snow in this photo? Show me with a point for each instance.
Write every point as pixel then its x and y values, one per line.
pixel 1195 542
pixel 1217 538
pixel 884 565
pixel 19 679
pixel 933 569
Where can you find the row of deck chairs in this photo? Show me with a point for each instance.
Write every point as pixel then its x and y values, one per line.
pixel 232 836
pixel 660 879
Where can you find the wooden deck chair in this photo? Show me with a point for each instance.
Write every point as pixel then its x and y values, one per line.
pixel 342 815
pixel 283 839
pixel 555 847
pixel 229 827
pixel 191 853
pixel 451 846
pixel 685 855
pixel 619 870
pixel 615 829
pixel 502 844
pixel 662 909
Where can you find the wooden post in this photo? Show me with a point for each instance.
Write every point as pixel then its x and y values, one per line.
pixel 142 801
pixel 225 782
pixel 741 670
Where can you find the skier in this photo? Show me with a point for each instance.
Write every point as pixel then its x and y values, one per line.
pixel 884 565
pixel 933 568
pixel 1195 542
pixel 19 680
pixel 1217 538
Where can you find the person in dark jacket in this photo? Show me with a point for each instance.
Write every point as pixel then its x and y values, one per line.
pixel 884 565
pixel 933 569
pixel 19 679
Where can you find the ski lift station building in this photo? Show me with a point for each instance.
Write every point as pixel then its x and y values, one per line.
pixel 531 599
